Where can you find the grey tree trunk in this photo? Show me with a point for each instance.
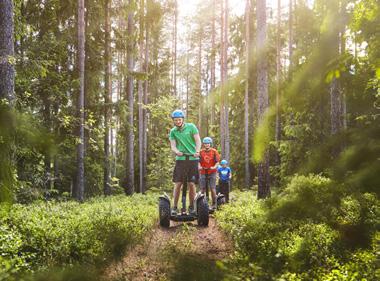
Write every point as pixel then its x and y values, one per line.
pixel 262 93
pixel 130 182
pixel 107 99
pixel 7 72
pixel 246 95
pixel 175 48
pixel 212 116
pixel 200 82
pixel 336 110
pixel 278 78
pixel 222 77
pixel 336 95
pixel 81 59
pixel 225 70
pixel 140 100
pixel 187 83
pixel 145 112
pixel 290 34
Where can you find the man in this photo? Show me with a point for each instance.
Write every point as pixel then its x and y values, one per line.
pixel 209 160
pixel 186 144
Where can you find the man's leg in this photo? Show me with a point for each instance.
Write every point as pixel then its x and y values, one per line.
pixel 176 193
pixel 191 193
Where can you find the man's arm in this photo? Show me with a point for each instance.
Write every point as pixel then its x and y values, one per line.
pixel 198 144
pixel 173 146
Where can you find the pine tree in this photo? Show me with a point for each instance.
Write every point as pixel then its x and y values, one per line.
pixel 7 72
pixel 262 94
pixel 81 64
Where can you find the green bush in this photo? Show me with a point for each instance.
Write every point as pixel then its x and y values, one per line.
pixel 313 230
pixel 47 234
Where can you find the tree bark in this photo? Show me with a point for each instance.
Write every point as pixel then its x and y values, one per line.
pixel 81 59
pixel 175 48
pixel 200 81
pixel 246 95
pixel 145 112
pixel 107 99
pixel 262 91
pixel 7 72
pixel 222 112
pixel 290 35
pixel 212 117
pixel 278 78
pixel 225 70
pixel 140 100
pixel 130 182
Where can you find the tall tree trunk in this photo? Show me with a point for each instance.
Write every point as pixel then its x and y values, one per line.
pixel 225 71
pixel 140 100
pixel 130 183
pixel 336 97
pixel 187 83
pixel 81 60
pixel 262 93
pixel 175 48
pixel 278 78
pixel 212 117
pixel 246 95
pixel 145 112
pixel 222 80
pixel 342 52
pixel 290 35
pixel 200 82
pixel 107 99
pixel 7 72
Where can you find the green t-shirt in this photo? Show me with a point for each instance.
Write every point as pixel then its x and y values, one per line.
pixel 184 139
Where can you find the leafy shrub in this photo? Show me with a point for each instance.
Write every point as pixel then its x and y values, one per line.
pixel 47 234
pixel 313 230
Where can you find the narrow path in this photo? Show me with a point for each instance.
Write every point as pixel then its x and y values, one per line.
pixel 185 251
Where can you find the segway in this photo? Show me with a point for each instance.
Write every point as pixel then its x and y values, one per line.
pixel 220 199
pixel 201 210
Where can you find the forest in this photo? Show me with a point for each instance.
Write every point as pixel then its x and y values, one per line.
pixel 288 90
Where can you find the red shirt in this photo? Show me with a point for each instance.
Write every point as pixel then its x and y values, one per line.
pixel 208 159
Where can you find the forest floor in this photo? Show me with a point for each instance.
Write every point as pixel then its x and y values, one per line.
pixel 185 251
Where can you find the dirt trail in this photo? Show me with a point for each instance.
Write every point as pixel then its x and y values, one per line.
pixel 185 251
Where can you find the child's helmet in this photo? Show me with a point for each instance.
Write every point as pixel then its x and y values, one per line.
pixel 223 162
pixel 178 114
pixel 207 140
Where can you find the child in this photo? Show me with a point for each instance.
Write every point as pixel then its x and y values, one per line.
pixel 225 176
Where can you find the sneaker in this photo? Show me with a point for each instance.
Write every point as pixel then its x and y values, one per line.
pixel 174 211
pixel 191 210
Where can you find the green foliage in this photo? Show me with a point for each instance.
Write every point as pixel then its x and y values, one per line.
pixel 47 234
pixel 314 229
pixel 160 167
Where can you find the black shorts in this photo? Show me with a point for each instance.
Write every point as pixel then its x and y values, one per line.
pixel 186 169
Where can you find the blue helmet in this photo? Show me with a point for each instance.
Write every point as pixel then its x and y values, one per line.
pixel 207 140
pixel 178 114
pixel 223 162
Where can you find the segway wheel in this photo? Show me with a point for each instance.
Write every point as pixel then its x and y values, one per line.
pixel 203 216
pixel 164 212
pixel 220 201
